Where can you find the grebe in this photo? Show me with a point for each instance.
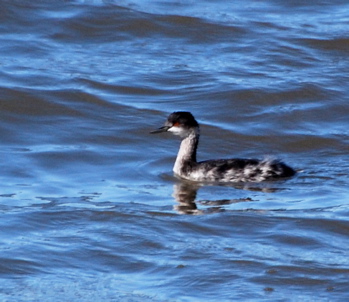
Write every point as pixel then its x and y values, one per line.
pixel 220 170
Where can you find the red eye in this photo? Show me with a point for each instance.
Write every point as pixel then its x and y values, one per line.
pixel 176 124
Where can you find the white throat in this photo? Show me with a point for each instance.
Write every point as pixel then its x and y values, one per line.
pixel 187 149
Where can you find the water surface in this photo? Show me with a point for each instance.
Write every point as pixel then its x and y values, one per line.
pixel 90 210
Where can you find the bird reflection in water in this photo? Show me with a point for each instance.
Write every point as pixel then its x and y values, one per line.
pixel 185 194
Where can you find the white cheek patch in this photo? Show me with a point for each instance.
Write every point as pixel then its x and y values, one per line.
pixel 176 130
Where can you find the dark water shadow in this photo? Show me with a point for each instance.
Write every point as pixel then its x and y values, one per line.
pixel 185 193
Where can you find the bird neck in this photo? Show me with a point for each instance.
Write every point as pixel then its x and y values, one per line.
pixel 187 151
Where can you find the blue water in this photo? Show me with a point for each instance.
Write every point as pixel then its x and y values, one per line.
pixel 90 209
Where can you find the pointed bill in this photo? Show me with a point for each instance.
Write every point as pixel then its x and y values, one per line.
pixel 160 130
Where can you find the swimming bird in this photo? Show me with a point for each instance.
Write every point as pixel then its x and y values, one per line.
pixel 186 166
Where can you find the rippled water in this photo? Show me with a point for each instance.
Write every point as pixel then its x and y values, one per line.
pixel 90 210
